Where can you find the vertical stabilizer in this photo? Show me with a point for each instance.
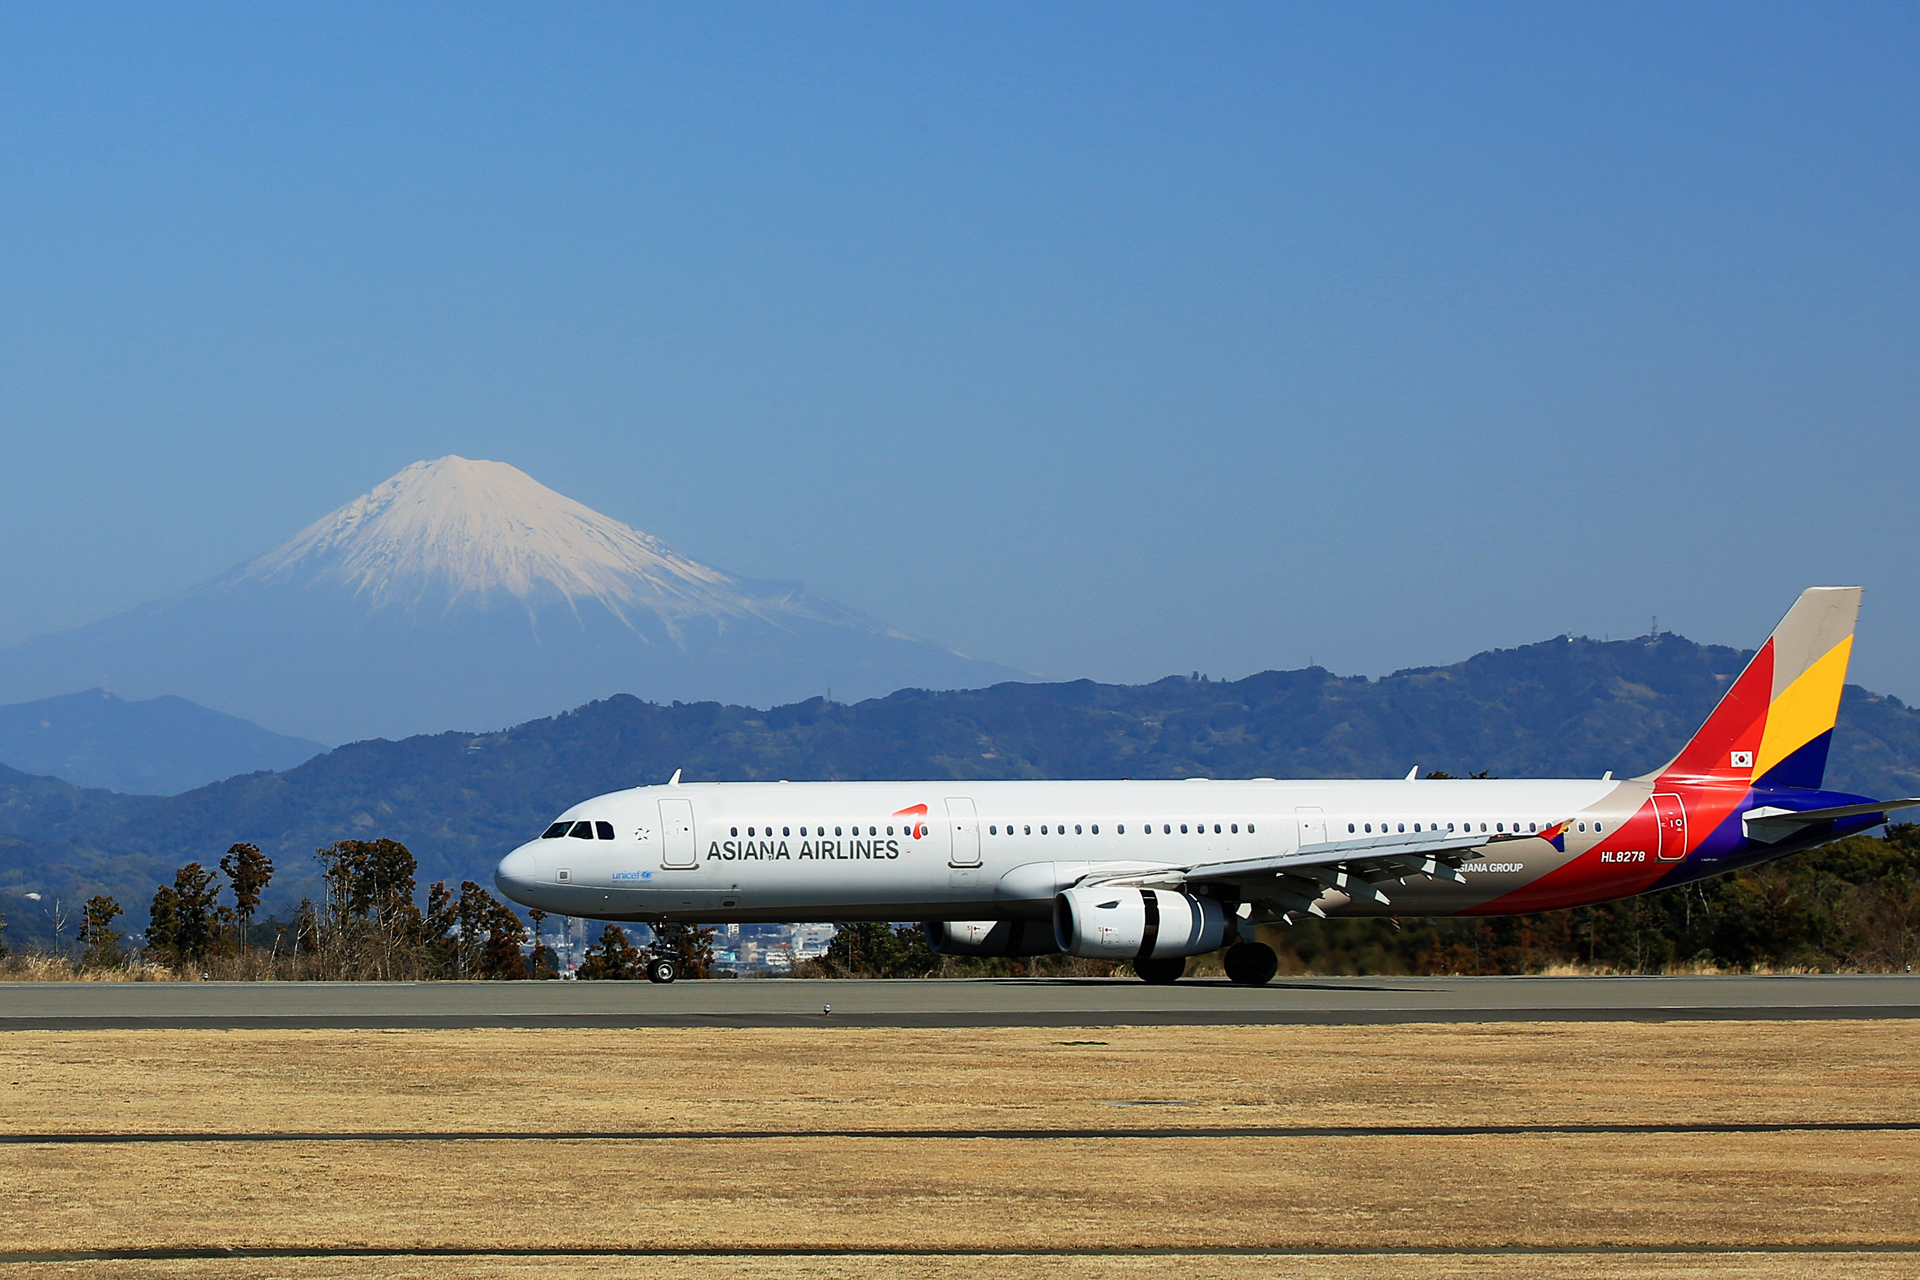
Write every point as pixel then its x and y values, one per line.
pixel 1773 727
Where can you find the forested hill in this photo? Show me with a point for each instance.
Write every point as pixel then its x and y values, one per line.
pixel 1562 708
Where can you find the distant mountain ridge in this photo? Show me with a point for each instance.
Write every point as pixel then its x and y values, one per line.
pixel 466 593
pixel 1561 708
pixel 159 746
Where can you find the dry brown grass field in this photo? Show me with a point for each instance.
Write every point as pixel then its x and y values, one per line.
pixel 795 1191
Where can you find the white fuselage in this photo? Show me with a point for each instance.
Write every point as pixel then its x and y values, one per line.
pixel 765 851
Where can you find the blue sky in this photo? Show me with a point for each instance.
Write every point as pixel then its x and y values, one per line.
pixel 1097 340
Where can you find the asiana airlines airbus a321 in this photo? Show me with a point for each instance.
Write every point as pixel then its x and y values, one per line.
pixel 1152 873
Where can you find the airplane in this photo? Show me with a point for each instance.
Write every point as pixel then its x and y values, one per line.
pixel 1154 872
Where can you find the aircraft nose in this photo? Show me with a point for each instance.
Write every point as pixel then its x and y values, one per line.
pixel 516 874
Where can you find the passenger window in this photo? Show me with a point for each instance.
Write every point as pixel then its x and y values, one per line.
pixel 1531 827
pixel 1076 829
pixel 1369 828
pixel 1121 829
pixel 1350 828
pixel 836 831
pixel 1166 828
pixel 1096 828
pixel 1236 828
pixel 605 829
pixel 785 831
pixel 582 831
pixel 559 829
pixel 1183 828
pixel 1583 826
pixel 733 831
pixel 1401 827
pixel 1216 829
pixel 1598 828
pixel 1249 828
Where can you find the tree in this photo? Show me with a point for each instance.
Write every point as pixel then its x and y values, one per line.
pixel 184 921
pixel 501 957
pixel 370 881
pixel 371 927
pixel 98 936
pixel 871 949
pixel 542 963
pixel 613 957
pixel 248 873
pixel 438 928
pixel 486 933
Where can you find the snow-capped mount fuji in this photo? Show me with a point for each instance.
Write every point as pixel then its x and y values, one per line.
pixel 466 594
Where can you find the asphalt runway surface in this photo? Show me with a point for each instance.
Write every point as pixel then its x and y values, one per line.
pixel 1013 1002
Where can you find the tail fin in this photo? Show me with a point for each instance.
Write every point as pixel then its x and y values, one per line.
pixel 1773 727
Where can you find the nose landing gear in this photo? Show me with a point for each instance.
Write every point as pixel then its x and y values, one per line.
pixel 662 970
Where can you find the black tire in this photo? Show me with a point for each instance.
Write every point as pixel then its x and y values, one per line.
pixel 1250 964
pixel 1160 972
pixel 662 970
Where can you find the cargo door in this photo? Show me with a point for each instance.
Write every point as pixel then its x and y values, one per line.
pixel 677 845
pixel 1671 819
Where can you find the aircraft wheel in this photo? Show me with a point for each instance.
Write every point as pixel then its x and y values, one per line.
pixel 662 970
pixel 1250 964
pixel 1160 972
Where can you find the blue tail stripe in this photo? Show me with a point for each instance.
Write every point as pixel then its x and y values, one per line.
pixel 1805 768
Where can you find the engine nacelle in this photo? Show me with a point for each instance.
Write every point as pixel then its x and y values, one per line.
pixel 1136 924
pixel 991 937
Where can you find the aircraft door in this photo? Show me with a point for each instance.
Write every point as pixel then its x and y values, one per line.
pixel 1671 817
pixel 1313 824
pixel 677 845
pixel 963 826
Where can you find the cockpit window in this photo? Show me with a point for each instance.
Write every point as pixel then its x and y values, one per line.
pixel 555 831
pixel 582 831
pixel 605 829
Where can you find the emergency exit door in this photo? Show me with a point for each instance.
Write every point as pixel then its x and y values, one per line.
pixel 1313 824
pixel 1670 816
pixel 677 845
pixel 963 825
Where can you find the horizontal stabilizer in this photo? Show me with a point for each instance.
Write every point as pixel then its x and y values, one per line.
pixel 1770 824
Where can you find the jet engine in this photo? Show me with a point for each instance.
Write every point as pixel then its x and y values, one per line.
pixel 991 937
pixel 1108 923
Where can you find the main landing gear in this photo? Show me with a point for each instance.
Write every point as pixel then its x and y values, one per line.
pixel 662 970
pixel 1250 964
pixel 1158 973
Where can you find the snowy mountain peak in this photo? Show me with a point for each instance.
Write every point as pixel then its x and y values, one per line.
pixel 459 527
pixel 464 593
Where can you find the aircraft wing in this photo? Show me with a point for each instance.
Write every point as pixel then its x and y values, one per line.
pixel 1291 881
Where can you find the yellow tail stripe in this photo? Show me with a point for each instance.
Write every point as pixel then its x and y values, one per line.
pixel 1805 709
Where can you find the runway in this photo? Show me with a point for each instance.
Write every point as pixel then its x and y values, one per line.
pixel 948 1003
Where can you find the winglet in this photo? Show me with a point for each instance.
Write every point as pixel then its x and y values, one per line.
pixel 1413 773
pixel 674 781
